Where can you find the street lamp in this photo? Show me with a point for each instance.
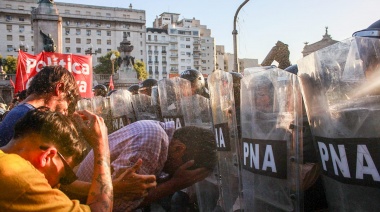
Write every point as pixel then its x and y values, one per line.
pixel 113 58
pixel 234 33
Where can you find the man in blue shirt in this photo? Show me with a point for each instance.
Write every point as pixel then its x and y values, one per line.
pixel 53 87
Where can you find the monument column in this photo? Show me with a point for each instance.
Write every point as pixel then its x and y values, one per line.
pixel 47 27
pixel 127 73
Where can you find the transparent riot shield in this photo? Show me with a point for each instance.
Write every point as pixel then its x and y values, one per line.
pixel 226 134
pixel 122 112
pixel 271 140
pixel 142 105
pixel 101 107
pixel 84 104
pixel 196 112
pixel 170 93
pixel 341 90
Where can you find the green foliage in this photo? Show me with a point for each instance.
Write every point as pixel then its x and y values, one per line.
pixel 105 65
pixel 139 66
pixel 9 64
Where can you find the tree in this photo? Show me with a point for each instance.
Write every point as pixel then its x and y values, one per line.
pixel 141 70
pixel 9 64
pixel 105 64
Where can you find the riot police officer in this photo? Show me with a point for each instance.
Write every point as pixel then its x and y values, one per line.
pixel 134 89
pixel 198 83
pixel 146 86
pixel 100 90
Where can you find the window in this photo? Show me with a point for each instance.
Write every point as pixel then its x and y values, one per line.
pixel 141 43
pixel 9 48
pixel 88 13
pixel 88 32
pixel 108 50
pixel 78 23
pixel 99 41
pixel 126 26
pixel 22 38
pixel 155 38
pixel 88 24
pixel 88 41
pixel 8 6
pixel 124 16
pixel 182 45
pixel 98 32
pixel 140 35
pixel 108 42
pixel 149 37
pixel 67 31
pixel 141 52
pixel 21 19
pixel 99 50
pixel 108 15
pixel 108 25
pixel 9 28
pixel 8 18
pixel 78 40
pixel 187 39
pixel 79 50
pixel 67 49
pixel 78 31
pixel 67 40
pixel 20 7
pixel 108 33
pixel 187 46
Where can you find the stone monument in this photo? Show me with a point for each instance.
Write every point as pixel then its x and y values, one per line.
pixel 47 25
pixel 127 74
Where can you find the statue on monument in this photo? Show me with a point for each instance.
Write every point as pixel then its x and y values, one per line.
pixel 48 42
pixel 129 60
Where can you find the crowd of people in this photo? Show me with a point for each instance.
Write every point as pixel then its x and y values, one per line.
pixel 57 158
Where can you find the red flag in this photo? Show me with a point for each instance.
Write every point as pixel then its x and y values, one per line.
pixel 12 83
pixel 111 87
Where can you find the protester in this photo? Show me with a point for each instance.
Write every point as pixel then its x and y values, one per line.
pixel 54 87
pixel 41 155
pixel 180 156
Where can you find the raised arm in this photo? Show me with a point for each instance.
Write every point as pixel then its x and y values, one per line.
pixel 100 196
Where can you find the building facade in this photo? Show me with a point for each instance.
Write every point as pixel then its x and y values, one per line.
pixel 87 29
pixel 187 45
pixel 225 61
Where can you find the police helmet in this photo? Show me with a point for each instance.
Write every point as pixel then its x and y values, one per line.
pixel 145 86
pixel 196 78
pixel 292 69
pixel 134 89
pixel 100 90
pixel 111 92
pixel 372 31
pixel 236 77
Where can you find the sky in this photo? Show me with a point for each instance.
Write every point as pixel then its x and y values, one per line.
pixel 261 24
